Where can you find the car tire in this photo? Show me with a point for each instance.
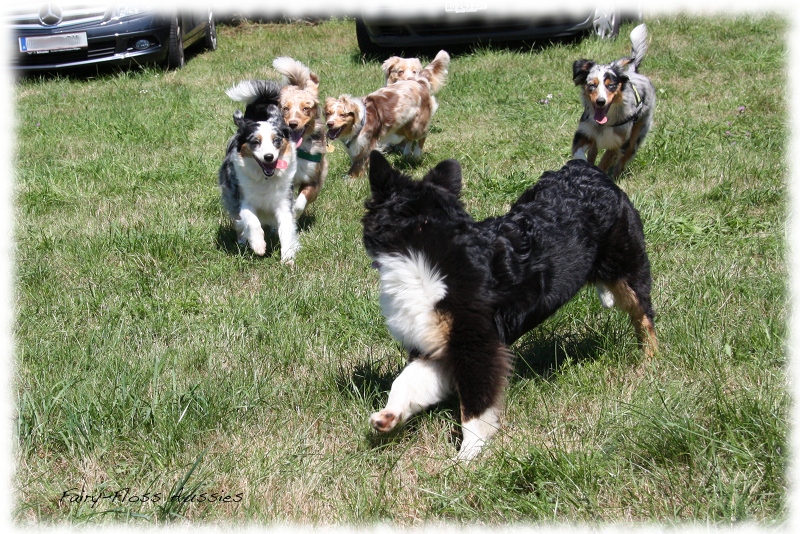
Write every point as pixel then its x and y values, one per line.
pixel 606 22
pixel 365 44
pixel 210 39
pixel 176 57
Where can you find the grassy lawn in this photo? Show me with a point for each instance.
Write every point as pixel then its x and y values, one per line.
pixel 164 374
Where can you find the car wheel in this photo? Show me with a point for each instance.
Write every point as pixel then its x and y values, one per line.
pixel 606 22
pixel 176 57
pixel 210 40
pixel 365 44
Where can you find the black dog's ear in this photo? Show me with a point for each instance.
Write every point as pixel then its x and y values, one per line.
pixel 382 176
pixel 580 69
pixel 447 174
pixel 238 118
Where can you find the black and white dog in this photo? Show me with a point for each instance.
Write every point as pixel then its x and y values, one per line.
pixel 256 177
pixel 457 292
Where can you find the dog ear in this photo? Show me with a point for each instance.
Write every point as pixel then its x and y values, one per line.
pixel 388 64
pixel 238 118
pixel 447 175
pixel 580 70
pixel 382 177
pixel 312 85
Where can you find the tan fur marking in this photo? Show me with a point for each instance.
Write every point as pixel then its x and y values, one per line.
pixel 626 300
pixel 438 336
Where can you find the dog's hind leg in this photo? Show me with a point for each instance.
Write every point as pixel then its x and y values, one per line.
pixel 638 308
pixel 421 384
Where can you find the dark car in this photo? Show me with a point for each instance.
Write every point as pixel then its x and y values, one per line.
pixel 436 23
pixel 67 35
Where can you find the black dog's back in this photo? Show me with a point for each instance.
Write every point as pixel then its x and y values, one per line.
pixel 575 226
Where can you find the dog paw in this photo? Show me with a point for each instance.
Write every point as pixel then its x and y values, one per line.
pixel 384 421
pixel 468 451
pixel 259 247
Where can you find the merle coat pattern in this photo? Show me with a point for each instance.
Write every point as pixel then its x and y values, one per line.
pixel 255 178
pixel 456 292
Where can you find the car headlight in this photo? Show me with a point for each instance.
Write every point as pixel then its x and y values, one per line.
pixel 129 10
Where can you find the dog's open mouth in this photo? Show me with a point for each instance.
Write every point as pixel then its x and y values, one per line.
pixel 335 132
pixel 268 167
pixel 601 115
pixel 296 137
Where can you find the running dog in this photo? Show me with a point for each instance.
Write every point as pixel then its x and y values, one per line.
pixel 301 111
pixel 618 107
pixel 255 178
pixel 457 292
pixel 400 113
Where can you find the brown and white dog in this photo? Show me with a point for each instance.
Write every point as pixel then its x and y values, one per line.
pixel 301 111
pixel 618 107
pixel 399 68
pixel 400 113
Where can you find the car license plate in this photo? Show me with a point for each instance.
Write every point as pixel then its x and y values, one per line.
pixel 464 6
pixel 49 43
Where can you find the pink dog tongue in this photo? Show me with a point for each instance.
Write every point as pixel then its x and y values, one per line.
pixel 299 142
pixel 281 164
pixel 600 116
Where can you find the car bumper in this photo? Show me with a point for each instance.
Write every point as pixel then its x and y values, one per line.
pixel 108 44
pixel 425 32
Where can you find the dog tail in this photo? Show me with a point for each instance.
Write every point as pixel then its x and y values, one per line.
pixel 251 91
pixel 295 73
pixel 638 45
pixel 436 71
pixel 261 97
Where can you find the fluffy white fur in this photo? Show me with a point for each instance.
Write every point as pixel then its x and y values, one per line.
pixel 410 289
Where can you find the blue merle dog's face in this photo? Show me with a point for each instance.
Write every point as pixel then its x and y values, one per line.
pixel 263 141
pixel 601 85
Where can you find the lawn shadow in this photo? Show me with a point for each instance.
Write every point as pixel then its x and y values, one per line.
pixel 543 353
pixel 227 242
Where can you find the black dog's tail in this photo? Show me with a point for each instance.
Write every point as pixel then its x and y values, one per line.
pixel 258 95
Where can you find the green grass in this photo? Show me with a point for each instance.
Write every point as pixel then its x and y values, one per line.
pixel 154 354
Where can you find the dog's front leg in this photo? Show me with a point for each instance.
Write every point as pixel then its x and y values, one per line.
pixel 608 159
pixel 481 375
pixel 357 168
pixel 287 234
pixel 421 384
pixel 248 230
pixel 584 148
pixel 477 431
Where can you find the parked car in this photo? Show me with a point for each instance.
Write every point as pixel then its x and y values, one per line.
pixel 436 23
pixel 74 34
